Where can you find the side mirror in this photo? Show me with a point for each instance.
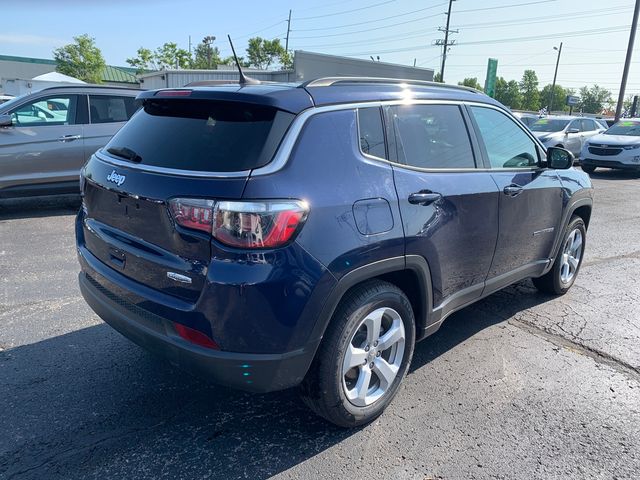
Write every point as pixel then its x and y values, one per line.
pixel 6 120
pixel 559 158
pixel 573 130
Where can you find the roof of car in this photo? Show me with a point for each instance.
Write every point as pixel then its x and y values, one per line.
pixel 295 97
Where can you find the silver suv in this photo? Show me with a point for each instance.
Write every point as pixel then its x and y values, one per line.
pixel 566 132
pixel 46 136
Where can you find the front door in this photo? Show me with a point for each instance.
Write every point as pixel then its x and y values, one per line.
pixel 44 145
pixel 449 208
pixel 530 197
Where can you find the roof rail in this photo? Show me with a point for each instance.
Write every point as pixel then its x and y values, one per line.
pixel 330 81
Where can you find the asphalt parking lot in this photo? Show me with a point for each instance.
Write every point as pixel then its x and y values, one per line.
pixel 520 385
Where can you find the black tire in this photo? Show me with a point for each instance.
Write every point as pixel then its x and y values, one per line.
pixel 323 389
pixel 588 169
pixel 553 282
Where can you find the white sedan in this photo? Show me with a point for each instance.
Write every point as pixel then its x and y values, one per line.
pixel 618 147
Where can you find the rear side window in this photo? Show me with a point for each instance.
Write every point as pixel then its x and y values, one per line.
pixel 202 135
pixel 432 136
pixel 111 108
pixel 371 132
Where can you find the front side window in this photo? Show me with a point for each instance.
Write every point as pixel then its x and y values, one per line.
pixel 371 132
pixel 111 108
pixel 432 136
pixel 54 110
pixel 575 124
pixel 588 125
pixel 506 144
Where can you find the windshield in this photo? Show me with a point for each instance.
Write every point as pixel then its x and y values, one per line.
pixel 549 125
pixel 625 127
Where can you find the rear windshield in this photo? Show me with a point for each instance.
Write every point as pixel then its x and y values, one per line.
pixel 546 125
pixel 625 127
pixel 202 135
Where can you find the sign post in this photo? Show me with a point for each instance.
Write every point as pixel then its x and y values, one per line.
pixel 490 80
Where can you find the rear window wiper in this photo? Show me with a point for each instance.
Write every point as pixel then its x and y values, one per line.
pixel 126 153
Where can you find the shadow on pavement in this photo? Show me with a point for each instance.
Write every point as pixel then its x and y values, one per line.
pixel 35 207
pixel 91 404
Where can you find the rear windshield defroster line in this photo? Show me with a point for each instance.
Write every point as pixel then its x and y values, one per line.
pixel 203 135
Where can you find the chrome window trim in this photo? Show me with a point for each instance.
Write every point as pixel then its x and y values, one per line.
pixel 169 171
pixel 286 147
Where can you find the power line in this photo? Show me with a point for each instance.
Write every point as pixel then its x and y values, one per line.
pixel 346 11
pixel 333 27
pixel 445 44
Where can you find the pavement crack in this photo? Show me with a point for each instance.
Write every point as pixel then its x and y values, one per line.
pixel 593 353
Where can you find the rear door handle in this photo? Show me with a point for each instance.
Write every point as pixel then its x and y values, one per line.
pixel 424 198
pixel 513 190
pixel 69 138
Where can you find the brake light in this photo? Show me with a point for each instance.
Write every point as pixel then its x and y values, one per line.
pixel 256 224
pixel 192 213
pixel 173 93
pixel 195 336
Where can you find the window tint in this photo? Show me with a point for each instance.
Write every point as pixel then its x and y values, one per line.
pixel 432 136
pixel 371 132
pixel 54 110
pixel 588 125
pixel 507 145
pixel 111 108
pixel 203 135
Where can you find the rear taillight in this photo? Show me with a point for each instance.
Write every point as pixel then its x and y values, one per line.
pixel 195 336
pixel 255 224
pixel 193 213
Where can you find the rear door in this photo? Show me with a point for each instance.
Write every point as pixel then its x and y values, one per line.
pixel 589 128
pixel 198 150
pixel 107 115
pixel 449 207
pixel 44 145
pixel 530 196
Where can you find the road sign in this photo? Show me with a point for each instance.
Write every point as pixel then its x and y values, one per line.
pixel 572 100
pixel 490 80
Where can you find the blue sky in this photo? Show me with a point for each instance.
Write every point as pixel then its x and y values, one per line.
pixel 519 33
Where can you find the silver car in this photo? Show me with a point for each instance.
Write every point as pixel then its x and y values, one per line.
pixel 46 136
pixel 567 132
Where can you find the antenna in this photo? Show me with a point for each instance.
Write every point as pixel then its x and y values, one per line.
pixel 244 80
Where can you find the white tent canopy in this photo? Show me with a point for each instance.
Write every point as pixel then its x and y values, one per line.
pixel 56 77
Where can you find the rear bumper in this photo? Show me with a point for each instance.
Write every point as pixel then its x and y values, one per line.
pixel 596 162
pixel 245 371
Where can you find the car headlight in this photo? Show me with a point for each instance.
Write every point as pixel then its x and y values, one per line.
pixel 631 147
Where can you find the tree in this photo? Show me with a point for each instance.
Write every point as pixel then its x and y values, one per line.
pixel 594 99
pixel 508 93
pixel 529 90
pixel 262 53
pixel 143 61
pixel 559 97
pixel 206 56
pixel 471 82
pixel 81 59
pixel 437 77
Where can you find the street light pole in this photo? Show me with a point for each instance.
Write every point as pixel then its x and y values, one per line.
pixel 627 62
pixel 553 87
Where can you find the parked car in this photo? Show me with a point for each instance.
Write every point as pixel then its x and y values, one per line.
pixel 527 118
pixel 5 98
pixel 269 236
pixel 46 136
pixel 566 132
pixel 618 147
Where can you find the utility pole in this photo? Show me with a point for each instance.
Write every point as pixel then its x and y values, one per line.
pixel 553 86
pixel 445 43
pixel 627 62
pixel 286 43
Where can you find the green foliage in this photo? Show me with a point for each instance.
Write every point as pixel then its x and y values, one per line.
pixel 206 56
pixel 437 77
pixel 529 90
pixel 508 93
pixel 262 53
pixel 81 59
pixel 471 82
pixel 594 99
pixel 168 56
pixel 143 61
pixel 559 97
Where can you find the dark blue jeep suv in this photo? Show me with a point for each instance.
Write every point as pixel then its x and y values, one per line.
pixel 268 236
